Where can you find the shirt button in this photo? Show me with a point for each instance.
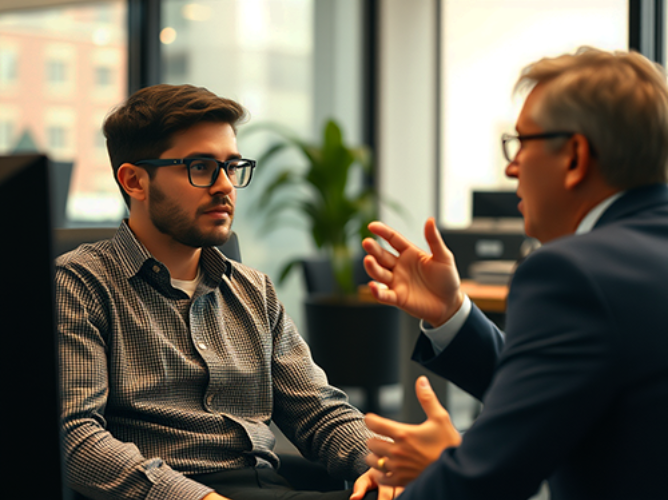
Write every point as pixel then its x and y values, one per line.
pixel 202 346
pixel 156 268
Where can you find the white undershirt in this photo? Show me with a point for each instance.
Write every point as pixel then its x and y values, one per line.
pixel 441 336
pixel 188 286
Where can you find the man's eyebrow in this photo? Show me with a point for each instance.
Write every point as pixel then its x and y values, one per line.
pixel 233 156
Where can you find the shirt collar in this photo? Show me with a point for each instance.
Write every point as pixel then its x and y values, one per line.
pixel 590 220
pixel 133 256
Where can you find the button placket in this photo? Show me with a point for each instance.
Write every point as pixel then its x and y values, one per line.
pixel 205 349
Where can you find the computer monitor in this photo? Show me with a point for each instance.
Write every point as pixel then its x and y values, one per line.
pixel 29 370
pixel 495 204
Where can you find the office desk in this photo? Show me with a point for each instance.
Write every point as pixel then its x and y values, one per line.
pixel 489 298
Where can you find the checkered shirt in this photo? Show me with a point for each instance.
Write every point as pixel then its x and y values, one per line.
pixel 156 386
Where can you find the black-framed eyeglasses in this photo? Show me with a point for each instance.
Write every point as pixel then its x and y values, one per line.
pixel 513 143
pixel 203 172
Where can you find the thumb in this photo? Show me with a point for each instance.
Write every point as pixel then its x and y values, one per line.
pixel 436 244
pixel 428 399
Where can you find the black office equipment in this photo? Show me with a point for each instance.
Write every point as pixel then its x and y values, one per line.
pixel 483 242
pixel 29 371
pixel 495 204
pixel 496 232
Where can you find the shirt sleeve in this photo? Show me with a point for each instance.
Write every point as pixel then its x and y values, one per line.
pixel 97 464
pixel 312 414
pixel 441 336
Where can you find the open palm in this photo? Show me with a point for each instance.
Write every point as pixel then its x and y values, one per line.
pixel 422 284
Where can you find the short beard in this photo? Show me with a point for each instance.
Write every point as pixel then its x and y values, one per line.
pixel 170 219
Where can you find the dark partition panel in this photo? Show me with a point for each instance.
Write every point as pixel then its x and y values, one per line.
pixel 31 403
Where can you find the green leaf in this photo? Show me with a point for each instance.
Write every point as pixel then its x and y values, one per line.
pixel 283 179
pixel 287 269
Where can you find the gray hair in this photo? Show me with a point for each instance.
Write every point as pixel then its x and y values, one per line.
pixel 617 100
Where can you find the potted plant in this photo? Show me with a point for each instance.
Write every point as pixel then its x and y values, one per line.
pixel 337 215
pixel 355 341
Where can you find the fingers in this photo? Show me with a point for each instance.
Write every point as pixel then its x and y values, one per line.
pixel 386 492
pixel 384 258
pixel 383 479
pixel 396 240
pixel 363 484
pixel 428 399
pixel 376 271
pixel 383 294
pixel 383 426
pixel 380 475
pixel 359 489
pixel 379 449
pixel 372 460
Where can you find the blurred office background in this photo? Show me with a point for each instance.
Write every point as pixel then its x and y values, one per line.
pixel 426 83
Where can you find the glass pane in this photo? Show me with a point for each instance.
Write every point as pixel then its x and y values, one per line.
pixel 485 45
pixel 262 56
pixel 61 70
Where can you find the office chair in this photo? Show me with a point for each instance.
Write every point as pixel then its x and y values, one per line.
pixel 299 472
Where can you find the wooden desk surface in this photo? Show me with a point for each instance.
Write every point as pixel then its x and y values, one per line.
pixel 489 298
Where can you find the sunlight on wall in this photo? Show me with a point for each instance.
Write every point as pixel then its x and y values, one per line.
pixel 485 45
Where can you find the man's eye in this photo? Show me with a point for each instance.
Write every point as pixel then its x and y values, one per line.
pixel 198 166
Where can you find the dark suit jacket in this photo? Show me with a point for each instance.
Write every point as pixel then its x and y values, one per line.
pixel 578 391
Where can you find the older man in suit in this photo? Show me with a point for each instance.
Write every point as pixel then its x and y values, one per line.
pixel 576 390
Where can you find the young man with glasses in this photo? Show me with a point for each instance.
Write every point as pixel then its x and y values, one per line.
pixel 576 390
pixel 174 359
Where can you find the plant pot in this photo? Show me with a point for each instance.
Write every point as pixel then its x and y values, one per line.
pixel 355 342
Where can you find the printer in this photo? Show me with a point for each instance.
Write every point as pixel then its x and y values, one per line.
pixel 488 250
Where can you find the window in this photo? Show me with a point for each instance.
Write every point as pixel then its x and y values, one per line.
pixel 56 72
pixel 6 136
pixel 71 51
pixel 56 137
pixel 484 46
pixel 8 66
pixel 103 76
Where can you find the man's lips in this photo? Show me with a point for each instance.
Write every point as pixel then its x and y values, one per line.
pixel 220 211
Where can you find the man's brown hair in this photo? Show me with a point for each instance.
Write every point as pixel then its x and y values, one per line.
pixel 143 126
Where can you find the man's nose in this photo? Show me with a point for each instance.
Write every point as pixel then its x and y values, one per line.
pixel 222 184
pixel 511 169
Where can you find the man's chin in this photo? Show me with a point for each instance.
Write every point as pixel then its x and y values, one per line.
pixel 221 235
pixel 213 238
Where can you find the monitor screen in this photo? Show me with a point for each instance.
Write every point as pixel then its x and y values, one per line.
pixel 495 204
pixel 31 403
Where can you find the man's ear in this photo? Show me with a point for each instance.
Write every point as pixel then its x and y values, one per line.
pixel 134 181
pixel 580 160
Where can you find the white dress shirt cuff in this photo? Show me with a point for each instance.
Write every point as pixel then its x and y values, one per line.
pixel 441 336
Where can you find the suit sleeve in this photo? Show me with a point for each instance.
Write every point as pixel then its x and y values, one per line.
pixel 470 359
pixel 551 384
